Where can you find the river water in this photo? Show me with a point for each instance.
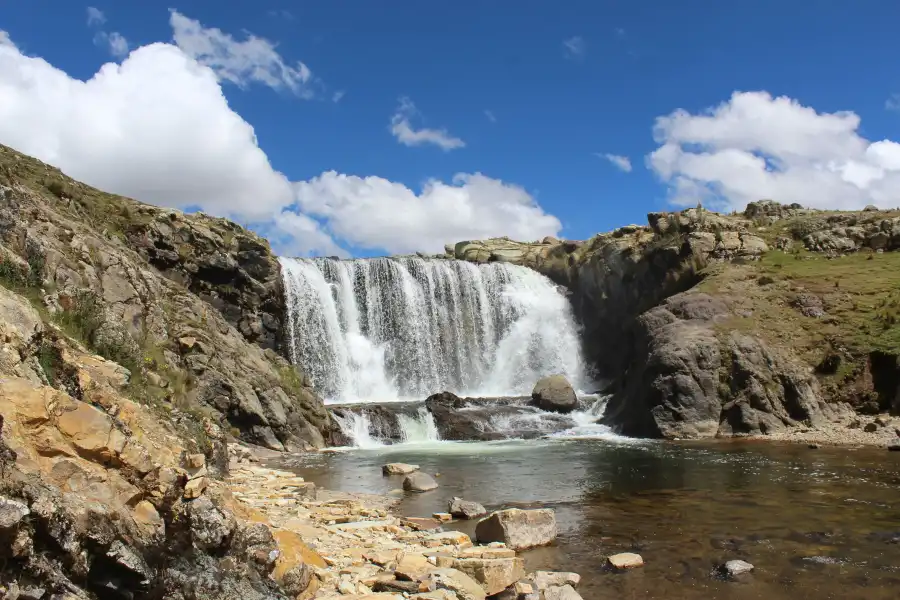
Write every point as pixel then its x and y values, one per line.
pixel 815 523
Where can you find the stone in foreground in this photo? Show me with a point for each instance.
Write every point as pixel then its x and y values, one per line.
pixel 547 579
pixel 494 574
pixel 419 482
pixel 458 582
pixel 626 560
pixel 554 393
pixel 565 592
pixel 736 568
pixel 518 529
pixel 398 469
pixel 464 509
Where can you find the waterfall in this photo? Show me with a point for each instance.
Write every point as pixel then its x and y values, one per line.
pixel 385 329
pixel 372 429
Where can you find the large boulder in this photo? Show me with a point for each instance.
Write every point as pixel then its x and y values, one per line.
pixel 494 574
pixel 518 529
pixel 554 393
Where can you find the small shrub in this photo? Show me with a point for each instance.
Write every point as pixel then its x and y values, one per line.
pixel 765 280
pixel 57 189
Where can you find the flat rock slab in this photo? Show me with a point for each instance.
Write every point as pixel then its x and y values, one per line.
pixel 448 538
pixel 421 524
pixel 626 560
pixel 398 469
pixel 356 525
pixel 547 579
pixel 565 592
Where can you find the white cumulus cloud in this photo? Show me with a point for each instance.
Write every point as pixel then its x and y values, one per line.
pixel 372 212
pixel 757 146
pixel 158 128
pixel 95 16
pixel 406 134
pixel 623 163
pixel 115 42
pixel 252 60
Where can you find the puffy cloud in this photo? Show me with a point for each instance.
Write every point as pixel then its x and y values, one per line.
pixel 372 212
pixel 240 63
pixel 95 16
pixel 623 163
pixel 757 146
pixel 156 127
pixel 407 135
pixel 115 42
pixel 574 47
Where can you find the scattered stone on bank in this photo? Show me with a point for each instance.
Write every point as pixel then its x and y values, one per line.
pixel 735 568
pixel 565 592
pixel 547 579
pixel 554 393
pixel 195 487
pixel 494 574
pixel 398 469
pixel 419 482
pixel 443 517
pixel 518 529
pixel 626 560
pixel 455 581
pixel 465 509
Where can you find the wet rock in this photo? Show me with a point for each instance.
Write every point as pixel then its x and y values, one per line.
pixel 548 579
pixel 566 592
pixel 734 569
pixel 419 482
pixel 626 560
pixel 465 509
pixel 398 469
pixel 554 393
pixel 518 529
pixel 442 517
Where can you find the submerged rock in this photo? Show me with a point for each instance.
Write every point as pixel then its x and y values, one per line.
pixel 464 509
pixel 735 568
pixel 518 529
pixel 398 469
pixel 626 560
pixel 565 592
pixel 419 482
pixel 554 393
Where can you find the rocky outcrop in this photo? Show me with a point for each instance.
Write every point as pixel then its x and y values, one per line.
pixel 695 379
pixel 184 304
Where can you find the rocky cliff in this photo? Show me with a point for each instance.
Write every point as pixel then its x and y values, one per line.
pixel 775 319
pixel 189 306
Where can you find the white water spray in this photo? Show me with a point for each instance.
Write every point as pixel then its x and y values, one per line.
pixel 385 329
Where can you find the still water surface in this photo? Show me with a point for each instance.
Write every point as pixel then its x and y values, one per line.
pixel 816 523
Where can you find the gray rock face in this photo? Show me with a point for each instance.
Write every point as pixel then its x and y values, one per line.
pixel 464 509
pixel 419 482
pixel 12 513
pixel 554 393
pixel 518 529
pixel 692 382
pixel 211 529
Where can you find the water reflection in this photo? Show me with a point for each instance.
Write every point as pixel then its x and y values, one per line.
pixel 823 523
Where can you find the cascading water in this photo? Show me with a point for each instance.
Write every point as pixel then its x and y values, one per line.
pixel 376 330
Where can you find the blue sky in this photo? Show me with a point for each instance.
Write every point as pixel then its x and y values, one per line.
pixel 530 95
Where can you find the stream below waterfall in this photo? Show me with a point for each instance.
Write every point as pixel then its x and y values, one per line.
pixel 815 523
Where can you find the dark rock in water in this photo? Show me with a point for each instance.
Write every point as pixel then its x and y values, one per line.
pixel 823 560
pixel 486 419
pixel 813 446
pixel 734 569
pixel 464 509
pixel 894 448
pixel 888 537
pixel 419 482
pixel 554 393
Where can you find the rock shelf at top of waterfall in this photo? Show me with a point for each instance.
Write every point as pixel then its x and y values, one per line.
pixel 386 329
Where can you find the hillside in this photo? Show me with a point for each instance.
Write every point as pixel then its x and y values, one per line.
pixel 773 321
